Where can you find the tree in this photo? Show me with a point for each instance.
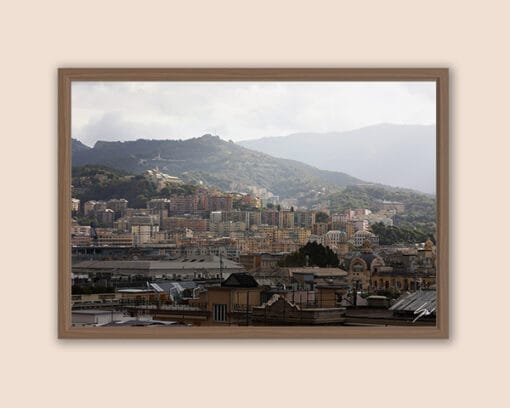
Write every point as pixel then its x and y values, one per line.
pixel 321 217
pixel 88 221
pixel 389 235
pixel 313 254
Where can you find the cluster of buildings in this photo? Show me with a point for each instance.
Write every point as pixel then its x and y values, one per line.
pixel 214 258
pixel 202 218
pixel 219 293
pixel 160 179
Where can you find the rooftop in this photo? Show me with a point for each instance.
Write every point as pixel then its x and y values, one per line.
pixel 240 280
pixel 93 312
pixel 191 263
pixel 318 272
pixel 416 301
pixel 135 322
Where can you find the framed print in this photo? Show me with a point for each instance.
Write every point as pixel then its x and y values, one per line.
pixel 253 203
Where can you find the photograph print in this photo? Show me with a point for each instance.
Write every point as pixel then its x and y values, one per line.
pixel 248 204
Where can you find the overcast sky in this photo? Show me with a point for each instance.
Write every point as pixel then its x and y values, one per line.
pixel 242 110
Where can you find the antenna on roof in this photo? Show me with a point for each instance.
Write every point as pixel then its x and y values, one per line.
pixel 221 268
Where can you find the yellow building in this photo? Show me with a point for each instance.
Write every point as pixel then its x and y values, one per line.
pixel 232 302
pixel 370 273
pixel 363 265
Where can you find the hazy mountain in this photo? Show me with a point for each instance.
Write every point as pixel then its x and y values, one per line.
pixel 215 163
pixel 396 155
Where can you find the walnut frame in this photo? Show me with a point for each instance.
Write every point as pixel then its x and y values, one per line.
pixel 67 75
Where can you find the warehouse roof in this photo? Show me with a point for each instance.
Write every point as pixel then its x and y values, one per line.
pixel 416 301
pixel 185 263
pixel 318 272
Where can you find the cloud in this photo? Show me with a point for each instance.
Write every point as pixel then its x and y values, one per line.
pixel 242 110
pixel 114 125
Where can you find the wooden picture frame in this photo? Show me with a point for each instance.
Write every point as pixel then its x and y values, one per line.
pixel 65 78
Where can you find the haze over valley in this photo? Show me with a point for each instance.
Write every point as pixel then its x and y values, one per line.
pixel 396 155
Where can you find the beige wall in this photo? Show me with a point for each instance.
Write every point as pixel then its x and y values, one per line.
pixel 235 299
pixel 469 37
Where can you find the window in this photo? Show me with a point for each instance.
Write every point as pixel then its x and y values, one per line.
pixel 357 267
pixel 220 313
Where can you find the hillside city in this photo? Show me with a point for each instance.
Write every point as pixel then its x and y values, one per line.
pixel 200 256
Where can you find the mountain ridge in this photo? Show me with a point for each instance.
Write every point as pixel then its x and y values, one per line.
pixel 390 154
pixel 214 162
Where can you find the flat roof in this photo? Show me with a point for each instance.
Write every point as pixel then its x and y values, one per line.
pixel 191 263
pixel 94 312
pixel 320 272
pixel 134 290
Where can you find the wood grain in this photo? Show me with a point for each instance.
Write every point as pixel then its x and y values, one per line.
pixel 67 75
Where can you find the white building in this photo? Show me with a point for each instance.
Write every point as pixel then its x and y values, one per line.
pixel 360 236
pixel 334 238
pixel 319 239
pixel 143 234
pixel 75 205
pixel 161 180
pixel 95 317
pixel 215 216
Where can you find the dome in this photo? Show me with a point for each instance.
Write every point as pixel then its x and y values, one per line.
pixel 368 258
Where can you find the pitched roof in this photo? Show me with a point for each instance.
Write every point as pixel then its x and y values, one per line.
pixel 172 287
pixel 416 301
pixel 240 280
